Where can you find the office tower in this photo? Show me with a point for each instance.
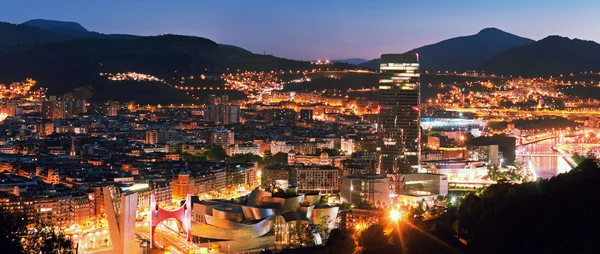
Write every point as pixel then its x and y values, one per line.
pixel 223 114
pixel 399 119
pixel 63 108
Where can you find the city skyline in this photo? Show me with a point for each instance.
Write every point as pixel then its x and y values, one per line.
pixel 319 30
pixel 124 127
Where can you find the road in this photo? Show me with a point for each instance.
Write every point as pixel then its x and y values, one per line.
pixel 165 236
pixel 505 111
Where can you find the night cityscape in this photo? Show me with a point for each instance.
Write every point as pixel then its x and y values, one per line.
pixel 328 127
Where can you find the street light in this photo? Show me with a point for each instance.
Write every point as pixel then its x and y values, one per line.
pixel 395 215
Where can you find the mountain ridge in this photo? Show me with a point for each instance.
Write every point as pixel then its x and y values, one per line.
pixel 12 35
pixel 71 56
pixel 74 30
pixel 463 52
pixel 70 62
pixel 552 55
pixel 65 27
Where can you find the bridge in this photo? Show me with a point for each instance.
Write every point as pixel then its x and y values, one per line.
pixel 531 140
pixel 542 155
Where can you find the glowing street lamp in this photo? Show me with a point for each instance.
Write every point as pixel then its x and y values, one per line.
pixel 395 215
pixel 358 227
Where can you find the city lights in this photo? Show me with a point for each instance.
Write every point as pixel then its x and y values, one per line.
pixel 179 144
pixel 131 76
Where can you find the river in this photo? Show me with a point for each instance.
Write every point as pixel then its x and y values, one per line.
pixel 546 167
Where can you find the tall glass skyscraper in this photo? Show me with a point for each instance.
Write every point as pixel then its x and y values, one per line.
pixel 399 129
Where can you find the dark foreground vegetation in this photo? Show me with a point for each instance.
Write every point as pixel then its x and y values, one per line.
pixel 19 235
pixel 558 215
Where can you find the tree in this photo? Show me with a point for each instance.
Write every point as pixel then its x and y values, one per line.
pixel 308 237
pixel 302 234
pixel 330 152
pixel 84 93
pixel 12 226
pixel 270 159
pixel 50 240
pixel 418 211
pixel 440 200
pixel 43 239
pixel 243 158
pixel 579 158
pixel 367 147
pixel 187 157
pixel 296 234
pixel 514 218
pixel 323 227
pixel 324 200
pixel 340 242
pixel 344 206
pixel 10 246
pixel 373 239
pixel 493 172
pixel 279 158
pixel 216 153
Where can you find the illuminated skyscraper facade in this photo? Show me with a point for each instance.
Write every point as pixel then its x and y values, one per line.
pixel 399 118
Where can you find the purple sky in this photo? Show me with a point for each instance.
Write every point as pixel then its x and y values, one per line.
pixel 332 29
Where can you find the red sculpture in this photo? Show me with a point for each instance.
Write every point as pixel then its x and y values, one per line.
pixel 183 214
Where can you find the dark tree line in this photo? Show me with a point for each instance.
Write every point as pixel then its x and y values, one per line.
pixel 217 153
pixel 559 215
pixel 547 216
pixel 16 237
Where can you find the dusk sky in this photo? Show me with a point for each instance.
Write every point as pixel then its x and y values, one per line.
pixel 319 29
